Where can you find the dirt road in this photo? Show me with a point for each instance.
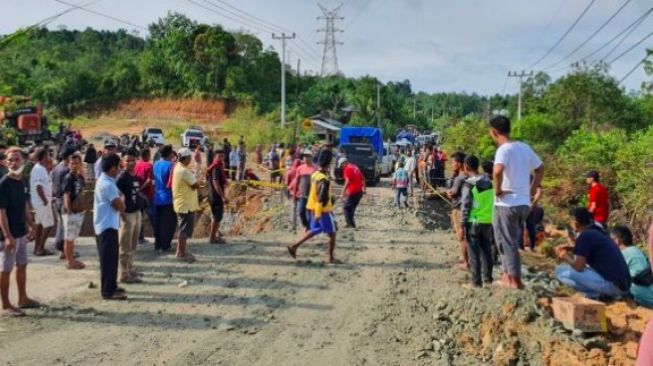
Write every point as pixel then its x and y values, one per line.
pixel 391 302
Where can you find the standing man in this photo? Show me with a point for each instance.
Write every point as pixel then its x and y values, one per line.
pixel 303 187
pixel 108 204
pixel 597 199
pixel 455 192
pixel 73 210
pixel 411 168
pixel 144 172
pixel 16 231
pixel 320 207
pixel 41 198
pixel 226 149
pixel 184 195
pixel 109 148
pixel 400 181
pixel 58 174
pixel 130 219
pixel 477 205
pixel 234 163
pixel 352 191
pixel 274 164
pixel 217 178
pixel 165 218
pixel 242 159
pixel 514 163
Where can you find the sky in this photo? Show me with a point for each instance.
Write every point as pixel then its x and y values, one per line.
pixel 439 45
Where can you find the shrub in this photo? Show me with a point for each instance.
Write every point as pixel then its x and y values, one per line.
pixel 255 129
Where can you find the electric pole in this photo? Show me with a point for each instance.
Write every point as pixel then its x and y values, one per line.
pixel 283 39
pixel 329 54
pixel 414 108
pixel 520 75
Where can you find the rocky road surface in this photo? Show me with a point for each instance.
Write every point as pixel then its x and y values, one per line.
pixel 394 300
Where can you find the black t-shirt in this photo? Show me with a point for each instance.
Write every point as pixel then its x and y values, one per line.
pixel 72 184
pixel 91 156
pixel 603 256
pixel 13 197
pixel 129 185
pixel 217 175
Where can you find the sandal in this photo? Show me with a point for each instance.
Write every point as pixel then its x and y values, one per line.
pixel 76 265
pixel 31 305
pixel 116 297
pixel 219 240
pixel 44 253
pixel 188 258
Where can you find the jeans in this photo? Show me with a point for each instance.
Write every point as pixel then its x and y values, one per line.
pixel 107 247
pixel 530 229
pixel 349 208
pixel 401 192
pixel 149 212
pixel 508 223
pixel 479 249
pixel 303 214
pixel 589 282
pixel 166 225
pixel 59 235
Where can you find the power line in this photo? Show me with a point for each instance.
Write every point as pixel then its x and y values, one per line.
pixel 633 69
pixel 564 35
pixel 41 23
pixel 622 40
pixel 252 16
pixel 103 15
pixel 228 17
pixel 591 36
pixel 631 48
pixel 632 25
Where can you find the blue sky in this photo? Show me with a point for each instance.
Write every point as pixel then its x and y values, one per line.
pixel 453 45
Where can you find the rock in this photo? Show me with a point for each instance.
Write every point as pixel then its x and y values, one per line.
pixel 437 346
pixel 422 354
pixel 596 342
pixel 183 284
pixel 91 284
pixel 578 333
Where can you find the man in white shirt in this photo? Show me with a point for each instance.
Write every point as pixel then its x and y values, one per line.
pixel 514 163
pixel 109 148
pixel 234 162
pixel 40 187
pixel 410 165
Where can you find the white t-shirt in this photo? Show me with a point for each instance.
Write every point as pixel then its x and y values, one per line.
pixel 519 160
pixel 39 177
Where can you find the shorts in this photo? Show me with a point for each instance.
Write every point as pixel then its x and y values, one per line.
pixel 217 210
pixel 455 220
pixel 186 224
pixel 326 224
pixel 18 257
pixel 72 225
pixel 44 216
pixel 275 175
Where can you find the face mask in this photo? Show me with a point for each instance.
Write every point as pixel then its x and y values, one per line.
pixel 18 171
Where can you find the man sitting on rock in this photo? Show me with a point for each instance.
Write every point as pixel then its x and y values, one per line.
pixel 594 265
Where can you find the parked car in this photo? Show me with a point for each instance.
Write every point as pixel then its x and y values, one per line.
pixel 365 158
pixel 153 134
pixel 193 137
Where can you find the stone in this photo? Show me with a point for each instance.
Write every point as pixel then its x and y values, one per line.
pixel 183 284
pixel 92 285
pixel 596 342
pixel 437 346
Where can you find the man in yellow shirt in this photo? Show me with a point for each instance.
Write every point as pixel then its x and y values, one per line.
pixel 320 209
pixel 185 202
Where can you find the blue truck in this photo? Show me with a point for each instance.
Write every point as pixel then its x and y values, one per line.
pixel 363 146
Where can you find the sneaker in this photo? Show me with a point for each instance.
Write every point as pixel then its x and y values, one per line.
pixel 130 279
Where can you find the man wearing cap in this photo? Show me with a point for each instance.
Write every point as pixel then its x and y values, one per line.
pixel 185 202
pixel 352 191
pixel 303 185
pixel 598 201
pixel 58 174
pixel 320 207
pixel 109 148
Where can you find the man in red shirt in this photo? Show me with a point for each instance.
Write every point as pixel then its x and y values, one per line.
pixel 597 202
pixel 352 191
pixel 145 175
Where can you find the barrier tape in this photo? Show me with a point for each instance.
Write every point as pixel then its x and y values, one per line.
pixel 446 199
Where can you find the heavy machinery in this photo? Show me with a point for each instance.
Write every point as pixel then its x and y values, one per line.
pixel 24 117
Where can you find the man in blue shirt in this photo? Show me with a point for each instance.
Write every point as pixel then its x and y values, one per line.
pixel 594 265
pixel 165 218
pixel 108 203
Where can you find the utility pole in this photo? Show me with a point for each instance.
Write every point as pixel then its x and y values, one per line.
pixel 520 75
pixel 283 39
pixel 378 106
pixel 414 108
pixel 329 54
pixel 299 75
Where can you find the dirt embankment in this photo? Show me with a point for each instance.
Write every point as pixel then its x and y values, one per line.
pixel 190 109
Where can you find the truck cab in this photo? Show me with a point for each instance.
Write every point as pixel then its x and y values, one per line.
pixel 365 158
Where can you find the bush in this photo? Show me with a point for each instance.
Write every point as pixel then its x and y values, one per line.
pixel 470 135
pixel 255 128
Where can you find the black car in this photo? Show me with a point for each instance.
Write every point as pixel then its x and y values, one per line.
pixel 364 157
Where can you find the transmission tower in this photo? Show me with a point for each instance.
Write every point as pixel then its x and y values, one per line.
pixel 329 55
